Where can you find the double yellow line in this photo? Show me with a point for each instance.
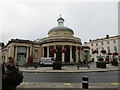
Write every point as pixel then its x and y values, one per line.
pixel 24 83
pixel 66 83
pixel 115 83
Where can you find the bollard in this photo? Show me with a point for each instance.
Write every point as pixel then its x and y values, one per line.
pixel 85 82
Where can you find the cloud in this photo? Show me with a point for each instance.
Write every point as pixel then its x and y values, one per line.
pixel 32 20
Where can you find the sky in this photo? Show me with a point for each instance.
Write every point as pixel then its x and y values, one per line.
pixel 32 19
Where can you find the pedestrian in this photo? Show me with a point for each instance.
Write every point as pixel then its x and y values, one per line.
pixel 79 61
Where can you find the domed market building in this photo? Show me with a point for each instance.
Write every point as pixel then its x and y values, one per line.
pixel 60 45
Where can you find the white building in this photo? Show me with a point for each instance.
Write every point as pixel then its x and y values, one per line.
pixel 110 44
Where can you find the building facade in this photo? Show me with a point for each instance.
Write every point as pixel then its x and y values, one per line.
pixel 109 44
pixel 60 44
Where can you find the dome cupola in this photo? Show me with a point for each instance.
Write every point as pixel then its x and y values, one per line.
pixel 60 29
pixel 60 21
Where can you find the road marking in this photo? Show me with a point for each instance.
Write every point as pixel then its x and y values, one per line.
pixel 66 83
pixel 24 83
pixel 115 83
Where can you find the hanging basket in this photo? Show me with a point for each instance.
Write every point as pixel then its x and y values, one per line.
pixel 63 50
pixel 82 48
pixel 95 51
pixel 10 57
pixel 53 50
pixel 115 53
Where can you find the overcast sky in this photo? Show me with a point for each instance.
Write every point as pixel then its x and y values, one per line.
pixel 32 19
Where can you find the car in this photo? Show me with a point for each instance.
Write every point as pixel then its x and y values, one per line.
pixel 46 61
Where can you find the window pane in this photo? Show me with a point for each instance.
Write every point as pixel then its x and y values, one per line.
pixel 108 42
pixel 91 44
pixel 108 48
pixel 114 41
pixel 115 48
pixel 96 44
pixel 101 43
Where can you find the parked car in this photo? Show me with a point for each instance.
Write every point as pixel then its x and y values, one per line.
pixel 46 61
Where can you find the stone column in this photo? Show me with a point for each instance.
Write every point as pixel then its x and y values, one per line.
pixel 76 54
pixel 82 55
pixel 43 51
pixel 55 53
pixel 16 54
pixel 71 60
pixel 27 54
pixel 31 50
pixel 9 51
pixel 89 58
pixel 79 54
pixel 63 55
pixel 47 51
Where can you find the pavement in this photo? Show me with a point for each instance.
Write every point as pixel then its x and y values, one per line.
pixel 69 69
pixel 67 85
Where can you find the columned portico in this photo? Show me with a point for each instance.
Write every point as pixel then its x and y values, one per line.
pixel 66 52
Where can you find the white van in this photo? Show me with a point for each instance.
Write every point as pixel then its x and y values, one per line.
pixel 46 61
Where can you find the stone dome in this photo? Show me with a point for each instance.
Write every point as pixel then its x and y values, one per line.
pixel 60 30
pixel 63 28
pixel 60 34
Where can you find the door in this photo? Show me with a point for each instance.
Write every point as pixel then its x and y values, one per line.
pixel 21 60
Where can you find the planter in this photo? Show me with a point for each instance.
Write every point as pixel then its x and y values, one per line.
pixel 57 65
pixel 114 63
pixel 107 62
pixel 11 78
pixel 101 64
